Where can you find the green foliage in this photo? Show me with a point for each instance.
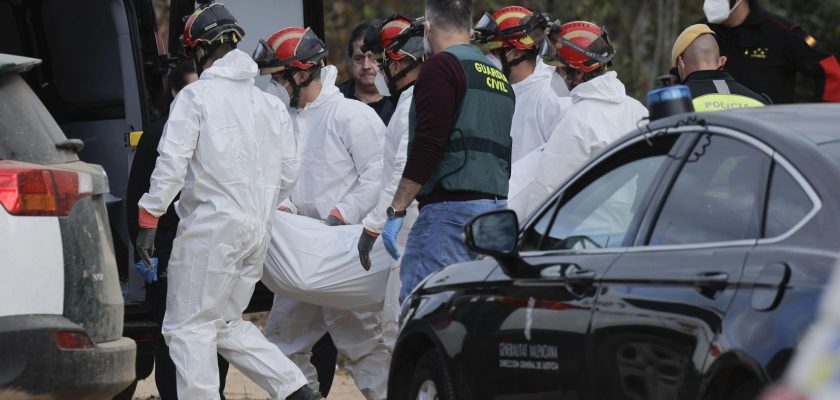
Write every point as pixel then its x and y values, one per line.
pixel 643 31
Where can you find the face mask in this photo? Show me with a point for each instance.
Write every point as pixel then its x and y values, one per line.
pixel 718 11
pixel 279 91
pixel 494 61
pixel 427 47
pixel 381 84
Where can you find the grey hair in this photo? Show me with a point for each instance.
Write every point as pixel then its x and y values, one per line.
pixel 450 15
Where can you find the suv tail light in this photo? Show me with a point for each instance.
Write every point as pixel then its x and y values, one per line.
pixel 73 340
pixel 34 190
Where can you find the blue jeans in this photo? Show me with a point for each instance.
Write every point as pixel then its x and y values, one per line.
pixel 437 239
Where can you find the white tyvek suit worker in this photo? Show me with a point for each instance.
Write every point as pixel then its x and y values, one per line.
pixel 538 112
pixel 340 181
pixel 601 111
pixel 814 371
pixel 399 46
pixel 538 108
pixel 229 149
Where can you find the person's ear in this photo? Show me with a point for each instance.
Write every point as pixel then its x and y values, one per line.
pixel 722 62
pixel 301 77
pixel 681 67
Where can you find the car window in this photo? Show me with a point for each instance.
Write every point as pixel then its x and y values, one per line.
pixel 28 132
pixel 716 196
pixel 597 210
pixel 787 203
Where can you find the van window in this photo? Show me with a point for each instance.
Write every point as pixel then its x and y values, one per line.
pixel 82 64
pixel 10 42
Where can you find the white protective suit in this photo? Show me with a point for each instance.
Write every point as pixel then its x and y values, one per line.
pixel 557 82
pixel 601 112
pixel 341 167
pixel 394 159
pixel 230 150
pixel 538 111
pixel 341 159
pixel 814 370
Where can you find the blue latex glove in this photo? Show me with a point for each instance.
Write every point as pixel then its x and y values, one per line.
pixel 389 236
pixel 149 274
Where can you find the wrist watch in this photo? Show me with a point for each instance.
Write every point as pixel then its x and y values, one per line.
pixel 392 213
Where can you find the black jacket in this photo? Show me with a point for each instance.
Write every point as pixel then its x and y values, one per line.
pixel 384 108
pixel 709 82
pixel 765 52
pixel 139 178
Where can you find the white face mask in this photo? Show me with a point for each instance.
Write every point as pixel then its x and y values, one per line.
pixel 278 90
pixel 427 47
pixel 381 84
pixel 718 11
pixel 494 61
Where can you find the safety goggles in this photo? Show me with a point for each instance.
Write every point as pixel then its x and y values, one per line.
pixel 265 57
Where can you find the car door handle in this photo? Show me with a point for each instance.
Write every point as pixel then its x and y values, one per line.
pixel 714 281
pixel 581 277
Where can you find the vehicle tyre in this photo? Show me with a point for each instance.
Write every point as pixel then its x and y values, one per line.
pixel 128 392
pixel 430 380
pixel 746 391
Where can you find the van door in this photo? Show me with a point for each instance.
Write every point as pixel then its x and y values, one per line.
pixel 92 82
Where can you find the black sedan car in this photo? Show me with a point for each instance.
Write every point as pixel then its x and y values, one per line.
pixel 684 262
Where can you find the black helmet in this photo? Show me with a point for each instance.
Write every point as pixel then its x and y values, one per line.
pixel 211 23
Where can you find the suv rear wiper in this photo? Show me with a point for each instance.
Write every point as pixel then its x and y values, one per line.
pixel 75 145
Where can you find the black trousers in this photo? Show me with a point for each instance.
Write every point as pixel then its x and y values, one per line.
pixel 324 357
pixel 156 295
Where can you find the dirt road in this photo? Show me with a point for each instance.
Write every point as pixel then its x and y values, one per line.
pixel 239 387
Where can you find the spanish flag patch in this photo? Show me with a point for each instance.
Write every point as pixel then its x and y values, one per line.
pixel 811 41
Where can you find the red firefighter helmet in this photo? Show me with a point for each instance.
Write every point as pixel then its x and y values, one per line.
pixel 512 26
pixel 579 44
pixel 297 48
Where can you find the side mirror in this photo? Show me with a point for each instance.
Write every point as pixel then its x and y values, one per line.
pixel 494 233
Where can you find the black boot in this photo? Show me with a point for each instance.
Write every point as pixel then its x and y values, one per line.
pixel 304 393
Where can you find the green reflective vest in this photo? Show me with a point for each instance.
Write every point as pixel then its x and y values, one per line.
pixel 477 157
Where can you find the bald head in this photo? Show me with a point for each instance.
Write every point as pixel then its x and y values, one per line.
pixel 703 54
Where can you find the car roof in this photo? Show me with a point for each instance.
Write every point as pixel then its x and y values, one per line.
pixel 817 123
pixel 10 63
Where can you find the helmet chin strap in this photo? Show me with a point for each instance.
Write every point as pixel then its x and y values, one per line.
pixel 296 88
pixel 392 80
pixel 209 51
pixel 507 66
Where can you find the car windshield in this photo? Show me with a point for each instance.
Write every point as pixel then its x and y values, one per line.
pixel 28 132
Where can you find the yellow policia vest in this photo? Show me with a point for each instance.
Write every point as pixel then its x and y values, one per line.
pixel 723 100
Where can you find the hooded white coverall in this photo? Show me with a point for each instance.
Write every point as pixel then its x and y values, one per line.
pixel 394 159
pixel 601 112
pixel 814 370
pixel 538 111
pixel 341 167
pixel 230 150
pixel 557 82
